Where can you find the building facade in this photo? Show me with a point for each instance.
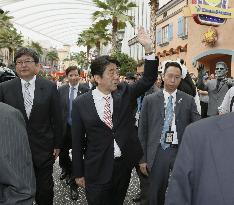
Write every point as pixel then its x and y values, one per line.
pixel 180 36
pixel 141 15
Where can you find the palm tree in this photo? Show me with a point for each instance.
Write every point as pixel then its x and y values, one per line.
pixel 86 39
pixel 5 19
pixel 114 13
pixel 100 35
pixel 52 56
pixel 154 4
pixel 80 59
pixel 37 47
pixel 9 38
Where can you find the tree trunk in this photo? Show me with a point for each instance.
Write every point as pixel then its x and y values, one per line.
pixel 154 4
pixel 98 46
pixel 88 49
pixel 114 35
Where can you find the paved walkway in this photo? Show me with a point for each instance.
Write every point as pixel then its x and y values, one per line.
pixel 62 192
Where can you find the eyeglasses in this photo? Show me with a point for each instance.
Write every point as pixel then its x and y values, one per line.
pixel 27 62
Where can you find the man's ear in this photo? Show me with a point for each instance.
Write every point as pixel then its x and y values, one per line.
pixel 97 78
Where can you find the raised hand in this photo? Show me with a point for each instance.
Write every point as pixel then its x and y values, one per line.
pixel 144 39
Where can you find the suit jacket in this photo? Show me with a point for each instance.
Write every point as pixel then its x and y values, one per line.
pixel 204 170
pixel 216 96
pixel 97 167
pixel 152 120
pixel 17 180
pixel 64 101
pixel 44 124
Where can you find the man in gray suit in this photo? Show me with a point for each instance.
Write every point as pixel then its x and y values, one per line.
pixel 164 116
pixel 204 170
pixel 17 180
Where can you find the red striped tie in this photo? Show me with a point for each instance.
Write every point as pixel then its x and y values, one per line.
pixel 107 118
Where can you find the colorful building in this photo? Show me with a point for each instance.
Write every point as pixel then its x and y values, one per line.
pixel 198 31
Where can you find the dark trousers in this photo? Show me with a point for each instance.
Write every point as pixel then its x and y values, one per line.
pixel 204 108
pixel 159 175
pixel 114 192
pixel 144 187
pixel 44 184
pixel 64 158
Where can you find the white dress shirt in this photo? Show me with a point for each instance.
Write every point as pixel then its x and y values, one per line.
pixel 31 90
pixel 100 104
pixel 173 126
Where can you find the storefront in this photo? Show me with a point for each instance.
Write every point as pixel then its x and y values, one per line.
pixel 199 31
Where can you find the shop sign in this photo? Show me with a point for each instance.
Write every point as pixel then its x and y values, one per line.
pixel 211 12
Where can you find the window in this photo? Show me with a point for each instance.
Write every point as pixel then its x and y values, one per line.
pixel 165 34
pixel 182 27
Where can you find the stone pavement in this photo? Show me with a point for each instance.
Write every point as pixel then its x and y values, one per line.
pixel 62 192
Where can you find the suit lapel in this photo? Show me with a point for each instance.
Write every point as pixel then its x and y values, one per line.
pixel 116 105
pixel 20 98
pixel 178 104
pixel 79 91
pixel 161 105
pixel 38 93
pixel 93 108
pixel 222 144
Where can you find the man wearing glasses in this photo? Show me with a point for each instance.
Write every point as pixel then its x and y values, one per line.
pixel 38 101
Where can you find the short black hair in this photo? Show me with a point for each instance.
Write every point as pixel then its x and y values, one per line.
pixel 70 68
pixel 174 64
pixel 26 51
pixel 98 65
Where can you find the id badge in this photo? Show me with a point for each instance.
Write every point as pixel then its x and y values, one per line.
pixel 169 137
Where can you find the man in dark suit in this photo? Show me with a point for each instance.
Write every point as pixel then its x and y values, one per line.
pixel 38 101
pixel 112 146
pixel 67 94
pixel 204 169
pixel 17 180
pixel 164 116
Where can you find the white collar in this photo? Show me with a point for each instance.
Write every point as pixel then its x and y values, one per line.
pixel 75 87
pixel 166 94
pixel 100 94
pixel 32 81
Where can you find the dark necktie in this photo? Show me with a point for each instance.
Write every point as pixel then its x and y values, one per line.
pixel 71 98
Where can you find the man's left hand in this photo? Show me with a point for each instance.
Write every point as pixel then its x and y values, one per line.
pixel 145 40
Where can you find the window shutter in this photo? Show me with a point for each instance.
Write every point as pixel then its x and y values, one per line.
pixel 159 36
pixel 180 27
pixel 170 32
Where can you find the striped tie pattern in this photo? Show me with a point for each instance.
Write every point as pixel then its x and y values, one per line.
pixel 28 101
pixel 107 118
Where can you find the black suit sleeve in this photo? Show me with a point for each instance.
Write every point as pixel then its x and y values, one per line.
pixel 148 79
pixel 78 141
pixel 56 116
pixel 143 129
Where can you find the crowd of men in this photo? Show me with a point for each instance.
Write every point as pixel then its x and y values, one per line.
pixel 151 122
